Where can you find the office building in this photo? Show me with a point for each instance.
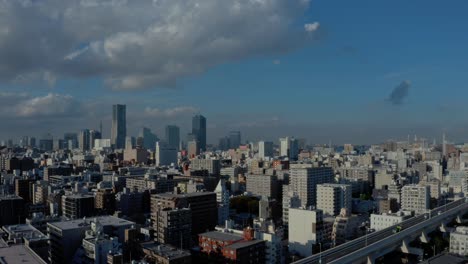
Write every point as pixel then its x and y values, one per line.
pixel 193 148
pixel 165 154
pixel 119 126
pixel 331 198
pixel 67 236
pixel 305 230
pixel 75 206
pixel 46 143
pixel 415 198
pixel 84 140
pixel 303 182
pixel 263 185
pixel 222 198
pixel 213 166
pixel 71 139
pixel 265 149
pixel 173 136
pixel 149 139
pixel 93 135
pixel 173 226
pixel 24 189
pixel 202 204
pixel 12 210
pixel 199 130
pixel 234 139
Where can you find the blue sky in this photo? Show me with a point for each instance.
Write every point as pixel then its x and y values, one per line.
pixel 332 86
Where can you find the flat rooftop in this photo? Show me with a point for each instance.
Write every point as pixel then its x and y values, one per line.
pixel 18 254
pixel 222 236
pixel 243 244
pixel 25 231
pixel 104 220
pixel 166 251
pixel 194 194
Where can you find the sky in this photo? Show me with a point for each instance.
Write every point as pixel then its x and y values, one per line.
pixel 326 70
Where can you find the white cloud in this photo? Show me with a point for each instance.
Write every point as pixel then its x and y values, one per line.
pixel 24 105
pixel 170 112
pixel 311 27
pixel 142 44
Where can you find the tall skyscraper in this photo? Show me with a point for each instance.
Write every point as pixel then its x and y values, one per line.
pixel 234 139
pixel 119 126
pixel 199 130
pixel 149 138
pixel 84 140
pixel 165 154
pixel 173 136
pixel 93 135
pixel 265 149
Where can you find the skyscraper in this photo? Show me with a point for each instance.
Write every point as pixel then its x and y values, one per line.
pixel 119 126
pixel 265 149
pixel 84 139
pixel 173 136
pixel 234 139
pixel 149 138
pixel 303 181
pixel 199 130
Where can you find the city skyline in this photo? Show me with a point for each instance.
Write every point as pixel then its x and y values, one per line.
pixel 354 82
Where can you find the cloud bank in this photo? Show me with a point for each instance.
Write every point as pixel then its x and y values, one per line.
pixel 142 44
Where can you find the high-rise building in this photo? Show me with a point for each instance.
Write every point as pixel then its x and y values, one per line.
pixel 303 182
pixel 73 137
pixel 75 206
pixel 263 185
pixel 222 198
pixel 332 197
pixel 202 204
pixel 289 147
pixel 173 227
pixel 265 149
pixel 119 126
pixel 165 154
pixel 234 139
pixel 415 198
pixel 199 130
pixel 149 138
pixel 84 140
pixel 193 148
pixel 46 143
pixel 173 136
pixel 93 135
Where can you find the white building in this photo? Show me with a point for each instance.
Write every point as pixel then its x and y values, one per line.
pixel 165 155
pixel 222 198
pixel 305 230
pixel 459 241
pixel 415 198
pixel 100 144
pixel 332 197
pixel 290 200
pixel 284 146
pixel 381 221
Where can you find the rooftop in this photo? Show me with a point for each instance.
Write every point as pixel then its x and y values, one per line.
pixel 17 254
pixel 24 231
pixel 243 244
pixel 222 236
pixel 104 220
pixel 164 250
